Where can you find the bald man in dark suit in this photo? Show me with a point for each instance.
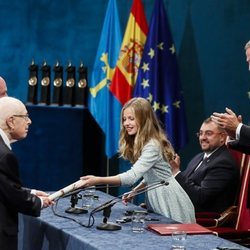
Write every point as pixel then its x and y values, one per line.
pixel 14 198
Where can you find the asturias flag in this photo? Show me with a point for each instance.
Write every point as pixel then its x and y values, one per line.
pixel 130 53
pixel 103 105
pixel 158 78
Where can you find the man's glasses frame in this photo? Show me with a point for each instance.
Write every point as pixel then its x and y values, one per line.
pixel 208 133
pixel 25 117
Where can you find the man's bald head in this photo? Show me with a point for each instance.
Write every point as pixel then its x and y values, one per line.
pixel 3 87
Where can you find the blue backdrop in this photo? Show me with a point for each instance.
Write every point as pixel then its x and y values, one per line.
pixel 209 38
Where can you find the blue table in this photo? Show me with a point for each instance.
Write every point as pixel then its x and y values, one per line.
pixel 55 233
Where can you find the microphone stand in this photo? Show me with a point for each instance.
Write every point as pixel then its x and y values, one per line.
pixel 108 226
pixel 75 210
pixel 106 207
pixel 74 199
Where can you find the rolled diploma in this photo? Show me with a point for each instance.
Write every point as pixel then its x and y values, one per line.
pixel 66 189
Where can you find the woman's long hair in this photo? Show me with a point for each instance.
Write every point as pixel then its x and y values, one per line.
pixel 130 146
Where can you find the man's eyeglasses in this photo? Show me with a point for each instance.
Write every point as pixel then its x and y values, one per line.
pixel 25 117
pixel 208 133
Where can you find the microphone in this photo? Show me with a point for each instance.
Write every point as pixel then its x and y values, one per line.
pixel 106 207
pixel 75 210
pixel 75 196
pixel 148 188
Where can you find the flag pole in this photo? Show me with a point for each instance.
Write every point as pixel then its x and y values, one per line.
pixel 107 174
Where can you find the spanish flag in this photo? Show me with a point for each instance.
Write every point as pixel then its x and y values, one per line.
pixel 130 54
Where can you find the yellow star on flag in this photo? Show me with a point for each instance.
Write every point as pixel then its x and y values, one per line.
pixel 156 106
pixel 172 49
pixel 164 108
pixel 145 83
pixel 151 53
pixel 150 97
pixel 160 46
pixel 145 67
pixel 177 104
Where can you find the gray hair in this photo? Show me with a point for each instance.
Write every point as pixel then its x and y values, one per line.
pixel 8 107
pixel 247 45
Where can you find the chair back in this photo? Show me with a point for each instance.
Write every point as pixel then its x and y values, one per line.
pixel 240 159
pixel 243 218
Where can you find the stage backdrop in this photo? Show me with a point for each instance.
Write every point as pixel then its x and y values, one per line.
pixel 209 37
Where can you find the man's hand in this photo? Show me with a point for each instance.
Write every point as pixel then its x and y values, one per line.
pixel 175 164
pixel 228 120
pixel 46 201
pixel 41 193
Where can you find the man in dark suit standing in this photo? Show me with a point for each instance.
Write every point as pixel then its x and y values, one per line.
pixel 238 132
pixel 14 198
pixel 211 177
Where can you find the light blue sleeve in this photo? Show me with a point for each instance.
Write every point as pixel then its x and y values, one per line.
pixel 150 155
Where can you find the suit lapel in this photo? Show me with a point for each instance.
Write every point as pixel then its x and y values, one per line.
pixel 210 158
pixel 195 164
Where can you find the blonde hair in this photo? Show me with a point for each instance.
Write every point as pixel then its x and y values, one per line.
pixel 130 147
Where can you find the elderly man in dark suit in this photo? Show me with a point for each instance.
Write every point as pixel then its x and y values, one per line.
pixel 14 198
pixel 211 177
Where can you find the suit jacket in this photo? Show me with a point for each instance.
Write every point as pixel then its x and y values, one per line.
pixel 14 199
pixel 212 187
pixel 243 144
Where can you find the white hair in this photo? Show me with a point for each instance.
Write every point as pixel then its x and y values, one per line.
pixel 9 106
pixel 247 45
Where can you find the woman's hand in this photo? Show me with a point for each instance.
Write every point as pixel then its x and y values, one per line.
pixel 89 180
pixel 128 197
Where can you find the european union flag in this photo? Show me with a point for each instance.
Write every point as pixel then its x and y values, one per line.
pixel 104 107
pixel 158 78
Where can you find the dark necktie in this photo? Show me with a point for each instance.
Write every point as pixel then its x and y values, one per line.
pixel 201 163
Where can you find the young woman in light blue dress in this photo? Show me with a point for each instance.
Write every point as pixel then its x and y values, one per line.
pixel 145 145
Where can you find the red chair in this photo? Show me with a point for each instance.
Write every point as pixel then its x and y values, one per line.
pixel 234 223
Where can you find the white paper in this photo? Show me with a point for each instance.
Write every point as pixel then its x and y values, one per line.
pixel 67 189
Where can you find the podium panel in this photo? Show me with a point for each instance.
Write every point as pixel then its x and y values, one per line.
pixel 56 150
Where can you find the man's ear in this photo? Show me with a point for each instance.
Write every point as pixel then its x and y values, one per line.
pixel 10 123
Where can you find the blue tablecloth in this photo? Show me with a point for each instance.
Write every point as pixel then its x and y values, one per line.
pixel 56 233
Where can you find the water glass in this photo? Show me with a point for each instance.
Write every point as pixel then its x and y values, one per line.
pixel 179 240
pixel 88 198
pixel 138 221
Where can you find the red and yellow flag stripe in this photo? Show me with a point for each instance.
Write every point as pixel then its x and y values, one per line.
pixel 130 53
